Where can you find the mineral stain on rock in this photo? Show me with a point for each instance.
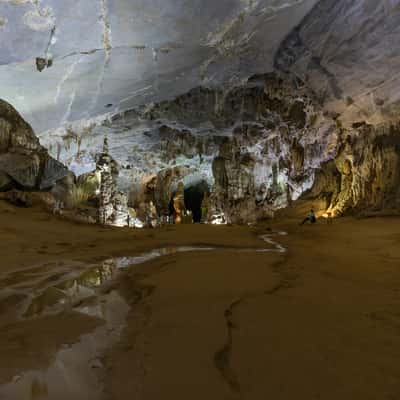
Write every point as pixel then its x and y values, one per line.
pixel 42 63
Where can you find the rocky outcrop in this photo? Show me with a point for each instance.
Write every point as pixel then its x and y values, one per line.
pixel 277 133
pixel 260 146
pixel 166 180
pixel 6 182
pixel 176 143
pixel 179 203
pixel 262 98
pixel 365 174
pixel 112 204
pixel 261 142
pixel 233 196
pixel 24 163
pixel 347 53
pixel 370 171
pixel 167 183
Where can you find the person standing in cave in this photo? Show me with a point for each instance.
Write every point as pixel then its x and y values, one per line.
pixel 311 218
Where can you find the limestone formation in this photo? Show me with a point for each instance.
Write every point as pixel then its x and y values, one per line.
pixel 335 52
pixel 365 174
pixel 113 204
pixel 107 192
pixel 24 163
pixel 267 118
pixel 234 191
pixel 178 201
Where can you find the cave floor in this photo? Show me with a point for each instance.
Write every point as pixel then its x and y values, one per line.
pixel 321 321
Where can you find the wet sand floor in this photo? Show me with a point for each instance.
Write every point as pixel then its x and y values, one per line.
pixel 321 321
pixel 57 292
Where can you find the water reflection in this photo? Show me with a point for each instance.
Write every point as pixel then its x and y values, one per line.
pixel 71 290
pixel 59 288
pixel 76 286
pixel 124 262
pixel 39 390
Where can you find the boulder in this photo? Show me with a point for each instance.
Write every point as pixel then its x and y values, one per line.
pixel 22 158
pixel 24 169
pixel 6 183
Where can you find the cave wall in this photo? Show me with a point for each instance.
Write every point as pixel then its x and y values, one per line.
pixel 321 124
pixel 24 163
pixel 365 174
pixel 347 52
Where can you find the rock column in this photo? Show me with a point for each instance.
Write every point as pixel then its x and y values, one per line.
pixel 107 187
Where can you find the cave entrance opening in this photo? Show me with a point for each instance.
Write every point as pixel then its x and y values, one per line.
pixel 194 195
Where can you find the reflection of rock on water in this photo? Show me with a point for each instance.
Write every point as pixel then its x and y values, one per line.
pixel 78 288
pixel 39 390
pixel 68 291
pixel 97 276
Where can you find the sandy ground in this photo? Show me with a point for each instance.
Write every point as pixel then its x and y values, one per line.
pixel 321 321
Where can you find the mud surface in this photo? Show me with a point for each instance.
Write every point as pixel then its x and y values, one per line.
pixel 198 311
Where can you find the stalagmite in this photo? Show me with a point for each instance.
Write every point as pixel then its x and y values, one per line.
pixel 107 186
pixel 113 205
pixel 179 203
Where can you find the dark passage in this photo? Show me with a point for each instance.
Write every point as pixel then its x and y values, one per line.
pixel 194 196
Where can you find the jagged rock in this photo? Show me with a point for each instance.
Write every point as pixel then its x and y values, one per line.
pixel 90 178
pixel 297 159
pixel 6 183
pixel 176 142
pixel 179 203
pixel 121 213
pixel 107 188
pixel 28 199
pixel 365 174
pixel 233 195
pixel 24 169
pixel 22 158
pixel 113 204
pixel 63 189
pixel 370 170
pixel 331 51
pixel 14 131
pixel 335 68
pixel 51 172
pixel 257 100
pixel 163 189
pixel 17 198
pixel 166 184
pixel 327 183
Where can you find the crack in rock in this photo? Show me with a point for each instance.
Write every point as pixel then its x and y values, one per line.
pixel 64 79
pixel 52 40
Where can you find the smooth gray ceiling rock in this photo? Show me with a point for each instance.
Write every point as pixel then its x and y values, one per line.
pixel 105 56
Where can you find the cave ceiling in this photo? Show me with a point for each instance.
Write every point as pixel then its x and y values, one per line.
pixel 74 69
pixel 70 60
pixel 107 56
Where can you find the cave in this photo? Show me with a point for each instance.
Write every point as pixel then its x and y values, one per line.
pixel 199 199
pixel 194 195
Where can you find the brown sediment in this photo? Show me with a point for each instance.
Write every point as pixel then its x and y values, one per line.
pixel 320 321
